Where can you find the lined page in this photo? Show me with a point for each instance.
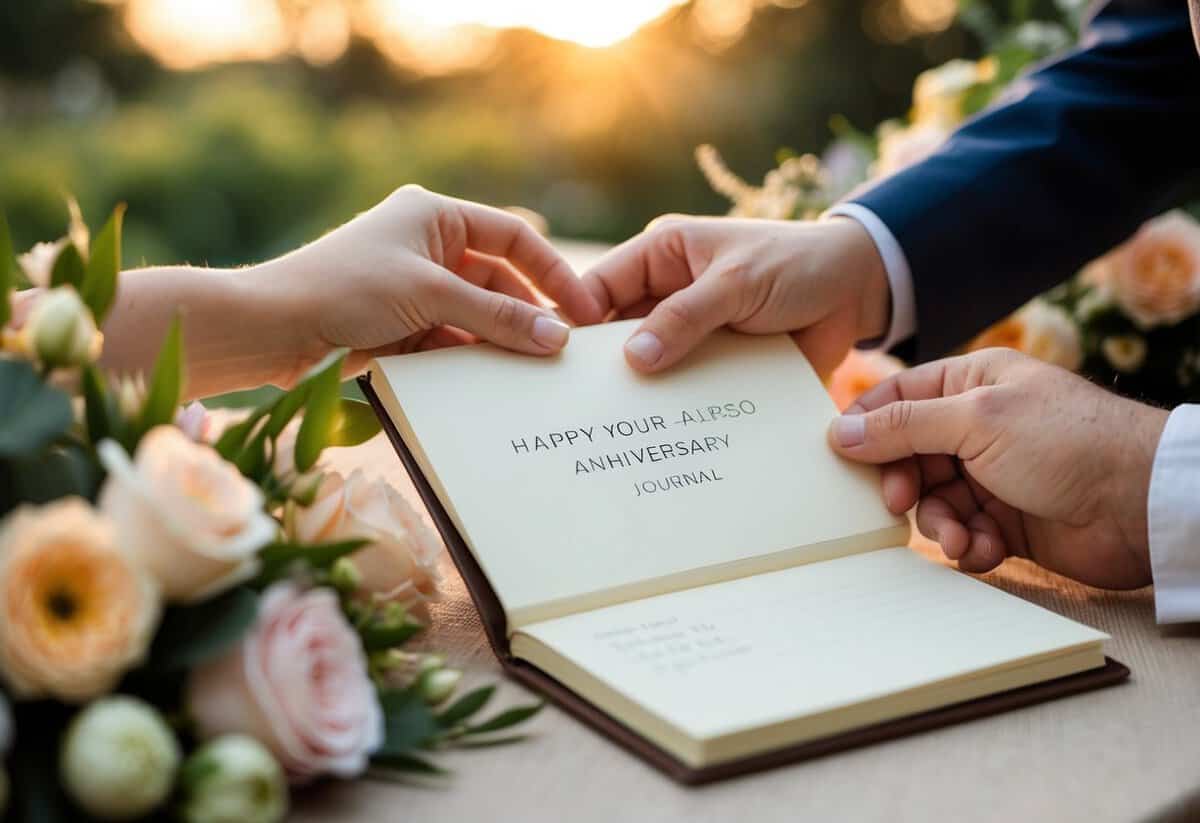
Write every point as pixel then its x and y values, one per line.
pixel 578 482
pixel 744 654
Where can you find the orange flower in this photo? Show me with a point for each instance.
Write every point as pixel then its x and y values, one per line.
pixel 1038 329
pixel 860 372
pixel 1155 277
pixel 76 611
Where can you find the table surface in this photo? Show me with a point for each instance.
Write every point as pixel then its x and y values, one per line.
pixel 1123 753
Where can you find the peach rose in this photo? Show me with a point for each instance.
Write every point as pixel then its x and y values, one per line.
pixel 76 608
pixel 859 372
pixel 1155 276
pixel 187 514
pixel 298 683
pixel 401 564
pixel 1039 329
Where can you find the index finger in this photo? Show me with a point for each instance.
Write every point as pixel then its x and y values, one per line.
pixel 501 234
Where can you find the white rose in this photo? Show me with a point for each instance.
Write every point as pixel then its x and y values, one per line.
pixel 187 514
pixel 60 330
pixel 119 759
pixel 401 563
pixel 233 779
pixel 938 93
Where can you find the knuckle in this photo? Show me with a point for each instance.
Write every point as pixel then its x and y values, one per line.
pixel 676 312
pixel 898 415
pixel 986 404
pixel 666 222
pixel 505 313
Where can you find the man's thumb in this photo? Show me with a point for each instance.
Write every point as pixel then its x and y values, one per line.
pixel 901 429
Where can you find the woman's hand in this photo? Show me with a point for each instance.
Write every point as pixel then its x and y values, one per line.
pixel 1005 455
pixel 416 271
pixel 419 270
pixel 822 281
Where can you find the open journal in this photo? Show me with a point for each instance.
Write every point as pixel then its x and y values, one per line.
pixel 682 561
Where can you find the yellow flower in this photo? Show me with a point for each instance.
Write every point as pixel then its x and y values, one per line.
pixel 76 611
pixel 1124 352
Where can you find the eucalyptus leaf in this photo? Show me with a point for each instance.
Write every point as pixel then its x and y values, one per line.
pixel 408 722
pixel 506 719
pixel 62 470
pixel 466 706
pixel 278 558
pixel 99 286
pixel 8 272
pixel 32 414
pixel 68 268
pixel 166 383
pixel 194 634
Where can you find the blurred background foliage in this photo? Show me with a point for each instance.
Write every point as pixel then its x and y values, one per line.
pixel 236 129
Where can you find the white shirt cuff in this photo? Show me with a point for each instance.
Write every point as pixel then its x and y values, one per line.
pixel 1173 510
pixel 904 305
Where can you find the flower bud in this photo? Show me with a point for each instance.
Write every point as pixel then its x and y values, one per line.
pixel 344 576
pixel 232 779
pixel 439 684
pixel 119 759
pixel 130 391
pixel 60 330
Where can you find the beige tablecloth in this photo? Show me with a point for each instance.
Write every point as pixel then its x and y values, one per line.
pixel 1123 753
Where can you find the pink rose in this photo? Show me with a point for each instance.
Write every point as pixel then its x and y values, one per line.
pixel 400 565
pixel 298 683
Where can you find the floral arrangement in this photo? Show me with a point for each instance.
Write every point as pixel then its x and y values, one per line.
pixel 1129 320
pixel 193 619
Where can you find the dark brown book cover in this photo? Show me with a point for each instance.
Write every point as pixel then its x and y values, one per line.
pixel 495 625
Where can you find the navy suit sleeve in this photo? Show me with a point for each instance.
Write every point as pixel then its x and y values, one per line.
pixel 1065 166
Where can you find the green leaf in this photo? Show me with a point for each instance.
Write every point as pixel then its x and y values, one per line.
pixel 489 742
pixel 465 706
pixel 166 384
pixel 8 272
pixel 355 422
pixel 378 638
pixel 32 414
pixel 100 277
pixel 323 400
pixel 277 558
pixel 506 719
pixel 96 407
pixel 408 722
pixel 68 268
pixel 191 635
pixel 407 763
pixel 233 439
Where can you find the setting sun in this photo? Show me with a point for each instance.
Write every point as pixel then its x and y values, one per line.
pixel 191 33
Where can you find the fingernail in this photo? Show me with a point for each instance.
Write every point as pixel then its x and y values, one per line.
pixel 850 430
pixel 645 347
pixel 549 332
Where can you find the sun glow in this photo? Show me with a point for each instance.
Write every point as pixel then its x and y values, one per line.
pixel 190 33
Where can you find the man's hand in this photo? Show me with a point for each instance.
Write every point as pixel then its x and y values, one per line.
pixel 1006 455
pixel 823 281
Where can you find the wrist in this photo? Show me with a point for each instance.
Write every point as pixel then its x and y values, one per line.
pixel 859 256
pixel 1129 476
pixel 277 307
